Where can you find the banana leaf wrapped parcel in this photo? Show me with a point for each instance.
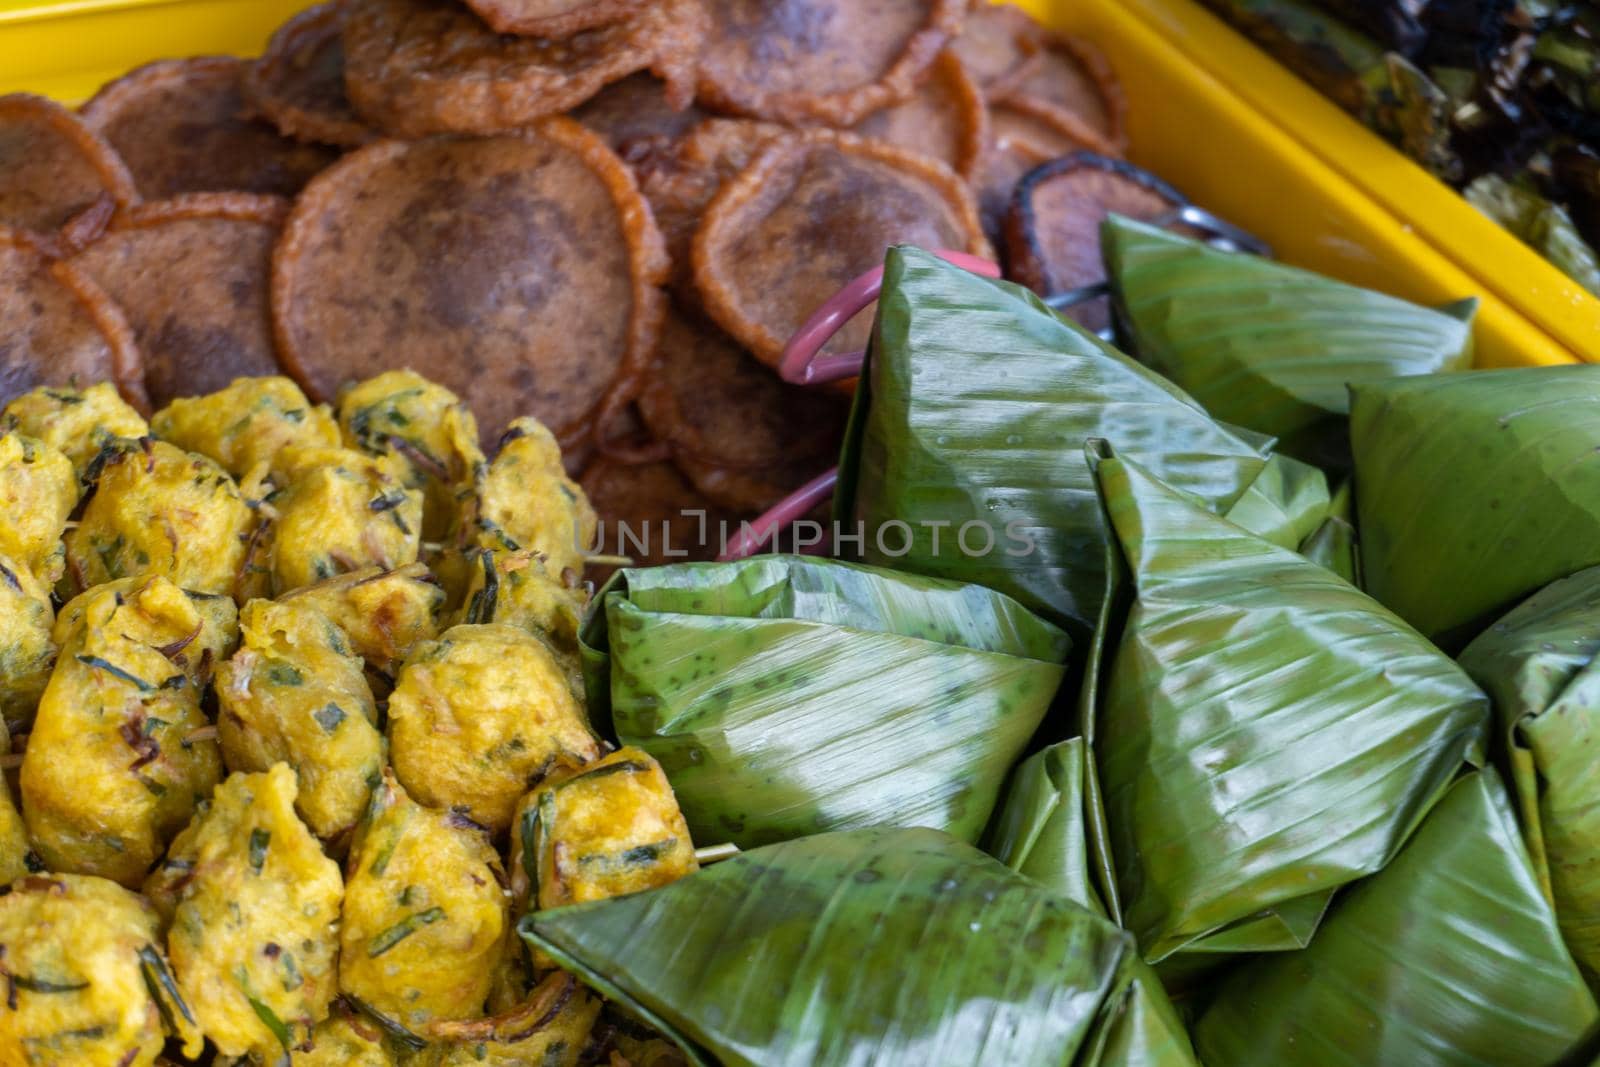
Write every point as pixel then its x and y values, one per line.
pixel 787 696
pixel 1475 490
pixel 1041 832
pixel 1268 346
pixel 1450 955
pixel 866 947
pixel 1539 664
pixel 973 409
pixel 1266 733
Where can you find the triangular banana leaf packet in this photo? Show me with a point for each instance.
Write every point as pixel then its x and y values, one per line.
pixel 1474 490
pixel 1267 733
pixel 1448 956
pixel 787 695
pixel 962 459
pixel 1265 345
pixel 1541 665
pixel 1285 504
pixel 1040 832
pixel 870 948
pixel 1334 544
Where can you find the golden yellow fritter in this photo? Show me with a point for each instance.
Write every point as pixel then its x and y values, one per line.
pixel 111 774
pixel 425 426
pixel 254 937
pixel 612 828
pixel 295 692
pixel 514 589
pixel 340 511
pixel 75 422
pixel 481 713
pixel 384 613
pixel 38 490
pixel 166 880
pixel 27 652
pixel 151 608
pixel 526 501
pixel 81 956
pixel 425 917
pixel 340 1041
pixel 247 423
pixel 157 509
pixel 550 1029
pixel 13 834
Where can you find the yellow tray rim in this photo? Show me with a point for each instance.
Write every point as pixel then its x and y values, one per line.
pixel 1499 261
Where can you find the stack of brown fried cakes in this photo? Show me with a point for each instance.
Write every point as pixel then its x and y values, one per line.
pixel 609 214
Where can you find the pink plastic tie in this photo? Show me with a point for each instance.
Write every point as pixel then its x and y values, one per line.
pixel 752 536
pixel 803 363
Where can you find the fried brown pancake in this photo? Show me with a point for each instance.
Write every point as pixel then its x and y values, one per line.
pixel 648 511
pixel 742 435
pixel 60 329
pixel 1009 54
pixel 635 117
pixel 1052 233
pixel 552 18
pixel 192 276
pixel 1023 133
pixel 418 67
pixel 947 119
pixel 830 61
pixel 52 166
pixel 298 84
pixel 811 213
pixel 521 272
pixel 182 127
pixel 681 178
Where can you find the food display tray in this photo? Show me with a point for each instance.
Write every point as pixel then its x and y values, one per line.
pixel 1439 215
pixel 1216 143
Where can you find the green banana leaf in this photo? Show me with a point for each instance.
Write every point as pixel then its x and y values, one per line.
pixel 975 405
pixel 1474 490
pixel 787 696
pixel 868 947
pixel 1541 666
pixel 1040 832
pixel 1268 346
pixel 1040 829
pixel 1268 732
pixel 1448 956
pixel 1285 504
pixel 1333 543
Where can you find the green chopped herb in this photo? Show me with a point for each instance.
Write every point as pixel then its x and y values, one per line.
pixel 116 672
pixel 625 767
pixel 645 854
pixel 280 673
pixel 46 985
pixel 271 1021
pixel 163 989
pixel 292 977
pixel 392 1027
pixel 380 862
pixel 329 717
pixel 402 930
pixel 259 840
pixel 156 788
pixel 485 600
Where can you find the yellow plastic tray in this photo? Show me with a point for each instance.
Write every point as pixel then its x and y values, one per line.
pixel 1187 125
pixel 1501 263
